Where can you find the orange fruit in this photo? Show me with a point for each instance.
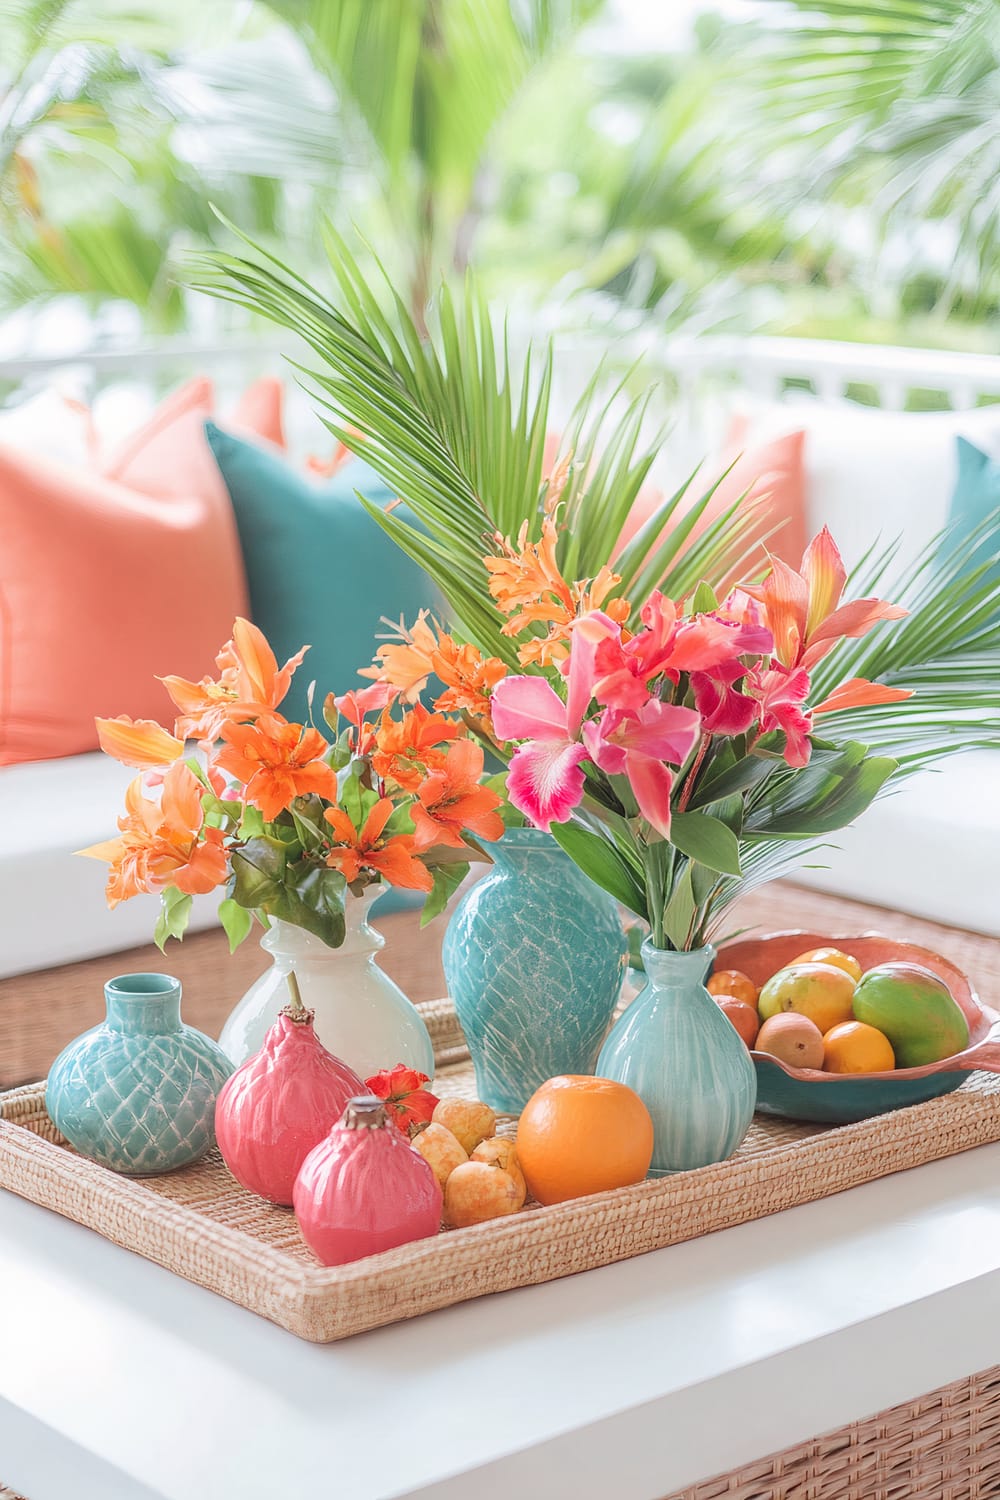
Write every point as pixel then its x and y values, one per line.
pixel 580 1135
pixel 743 1017
pixel 855 1047
pixel 735 983
pixel 822 993
pixel 834 957
pixel 792 1039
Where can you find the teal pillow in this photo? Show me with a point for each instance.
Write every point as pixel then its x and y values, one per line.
pixel 320 572
pixel 976 498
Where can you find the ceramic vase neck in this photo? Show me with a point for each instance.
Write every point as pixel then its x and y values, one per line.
pixel 526 849
pixel 286 942
pixel 143 1004
pixel 669 969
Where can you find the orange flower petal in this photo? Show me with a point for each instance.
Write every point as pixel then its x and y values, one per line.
pixel 853 619
pixel 825 575
pixel 141 743
pixel 860 693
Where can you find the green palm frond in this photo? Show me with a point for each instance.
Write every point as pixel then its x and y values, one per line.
pixel 458 431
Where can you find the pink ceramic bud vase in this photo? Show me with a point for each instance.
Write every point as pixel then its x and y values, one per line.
pixel 280 1104
pixel 364 1189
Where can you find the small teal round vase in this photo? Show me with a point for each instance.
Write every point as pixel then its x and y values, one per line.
pixel 685 1059
pixel 138 1092
pixel 534 957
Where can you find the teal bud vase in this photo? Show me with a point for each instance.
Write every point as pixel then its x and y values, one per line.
pixel 138 1092
pixel 534 957
pixel 686 1061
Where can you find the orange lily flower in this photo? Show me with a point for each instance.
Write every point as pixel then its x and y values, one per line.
pixel 141 743
pixel 469 677
pixel 406 749
pixel 276 762
pixel 163 843
pixel 804 612
pixel 394 858
pixel 526 579
pixel 249 684
pixel 451 799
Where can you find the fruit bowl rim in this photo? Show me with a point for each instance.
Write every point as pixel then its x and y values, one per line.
pixel 981 1054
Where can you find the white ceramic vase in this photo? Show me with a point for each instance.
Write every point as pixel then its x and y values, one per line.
pixel 362 1016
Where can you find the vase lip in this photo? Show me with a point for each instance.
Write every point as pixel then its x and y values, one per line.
pixel 700 957
pixel 142 987
pixel 527 838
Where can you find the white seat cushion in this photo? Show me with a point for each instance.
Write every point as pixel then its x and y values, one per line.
pixel 52 906
pixel 932 848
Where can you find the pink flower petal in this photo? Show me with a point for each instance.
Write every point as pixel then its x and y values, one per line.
pixel 588 634
pixel 527 708
pixel 545 782
pixel 652 783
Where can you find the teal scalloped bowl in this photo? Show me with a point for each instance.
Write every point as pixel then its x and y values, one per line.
pixel 838 1099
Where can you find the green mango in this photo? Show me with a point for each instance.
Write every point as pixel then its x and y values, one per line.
pixel 916 1011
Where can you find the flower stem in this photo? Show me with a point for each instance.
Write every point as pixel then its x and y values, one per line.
pixel 294 991
pixel 692 775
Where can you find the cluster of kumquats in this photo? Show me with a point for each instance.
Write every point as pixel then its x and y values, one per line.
pixel 576 1135
pixel 822 1011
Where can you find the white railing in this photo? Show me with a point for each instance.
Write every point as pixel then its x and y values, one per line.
pixel 764 366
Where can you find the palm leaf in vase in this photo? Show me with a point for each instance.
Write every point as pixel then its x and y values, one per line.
pixel 680 747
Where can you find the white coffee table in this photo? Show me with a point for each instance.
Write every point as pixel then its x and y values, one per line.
pixel 118 1381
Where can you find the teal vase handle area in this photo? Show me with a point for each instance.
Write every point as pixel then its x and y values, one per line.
pixel 138 1092
pixel 534 958
pixel 686 1061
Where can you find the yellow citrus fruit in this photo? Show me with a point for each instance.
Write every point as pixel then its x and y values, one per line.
pixel 819 991
pixel 834 957
pixel 854 1047
pixel 735 983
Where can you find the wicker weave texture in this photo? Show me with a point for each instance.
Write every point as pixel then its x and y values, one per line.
pixel 200 1224
pixel 943 1446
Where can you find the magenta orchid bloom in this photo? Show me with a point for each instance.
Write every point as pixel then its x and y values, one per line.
pixel 780 693
pixel 635 745
pixel 545 780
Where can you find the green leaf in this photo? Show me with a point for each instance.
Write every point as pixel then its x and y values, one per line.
pixel 512 816
pixel 252 823
pixel 300 892
pixel 307 815
pixel 236 922
pixel 706 840
pixel 602 862
pixel 741 776
pixel 704 599
pixel 680 910
pixel 447 879
pixel 175 910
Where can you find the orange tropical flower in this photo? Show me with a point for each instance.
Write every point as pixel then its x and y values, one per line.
pixel 526 583
pixel 469 679
pixel 249 684
pixel 406 749
pixel 804 612
pixel 276 762
pixel 394 858
pixel 451 799
pixel 141 743
pixel 163 843
pixel 468 676
pixel 860 693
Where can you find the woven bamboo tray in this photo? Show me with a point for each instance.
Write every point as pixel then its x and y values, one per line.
pixel 200 1224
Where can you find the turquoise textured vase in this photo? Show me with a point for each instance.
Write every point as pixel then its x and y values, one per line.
pixel 138 1092
pixel 686 1061
pixel 534 957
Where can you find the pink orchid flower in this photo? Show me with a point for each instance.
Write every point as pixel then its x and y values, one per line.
pixel 355 704
pixel 781 692
pixel 545 780
pixel 635 745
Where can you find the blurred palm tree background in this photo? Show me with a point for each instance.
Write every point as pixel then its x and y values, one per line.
pixel 816 167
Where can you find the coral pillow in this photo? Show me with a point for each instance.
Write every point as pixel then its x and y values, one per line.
pixel 772 473
pixel 100 589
